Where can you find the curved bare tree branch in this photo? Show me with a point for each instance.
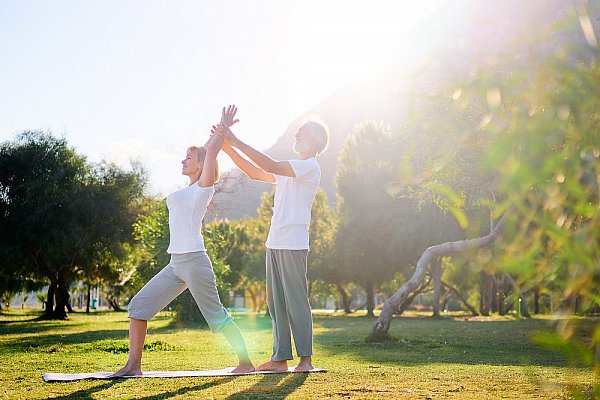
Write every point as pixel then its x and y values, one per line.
pixel 382 324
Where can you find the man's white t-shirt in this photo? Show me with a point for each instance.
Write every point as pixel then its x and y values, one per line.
pixel 187 207
pixel 292 205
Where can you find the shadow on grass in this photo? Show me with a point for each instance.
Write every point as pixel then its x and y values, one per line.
pixel 195 388
pixel 271 386
pixel 32 326
pixel 63 335
pixel 85 393
pixel 51 342
pixel 36 322
pixel 48 342
pixel 417 341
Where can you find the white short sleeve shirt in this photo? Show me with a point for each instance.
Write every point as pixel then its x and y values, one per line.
pixel 292 205
pixel 187 207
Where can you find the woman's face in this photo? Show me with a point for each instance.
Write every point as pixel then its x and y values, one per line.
pixel 190 164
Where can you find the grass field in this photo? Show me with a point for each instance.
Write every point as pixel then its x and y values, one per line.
pixel 450 358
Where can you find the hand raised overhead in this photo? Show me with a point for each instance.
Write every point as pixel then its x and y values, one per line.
pixel 223 132
pixel 214 138
pixel 228 115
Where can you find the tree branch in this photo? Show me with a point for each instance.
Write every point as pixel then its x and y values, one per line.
pixel 382 324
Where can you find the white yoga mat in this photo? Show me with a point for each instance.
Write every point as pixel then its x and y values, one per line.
pixel 58 377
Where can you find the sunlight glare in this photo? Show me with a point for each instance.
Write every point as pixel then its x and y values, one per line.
pixel 341 43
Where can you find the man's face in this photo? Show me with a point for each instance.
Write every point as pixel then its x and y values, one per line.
pixel 303 141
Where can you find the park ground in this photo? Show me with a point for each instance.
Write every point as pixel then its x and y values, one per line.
pixel 453 357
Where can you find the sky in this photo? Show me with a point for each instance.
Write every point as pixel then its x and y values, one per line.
pixel 144 80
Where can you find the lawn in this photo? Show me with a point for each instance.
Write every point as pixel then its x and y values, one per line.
pixel 451 357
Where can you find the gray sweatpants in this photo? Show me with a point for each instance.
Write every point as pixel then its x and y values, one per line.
pixel 190 270
pixel 287 299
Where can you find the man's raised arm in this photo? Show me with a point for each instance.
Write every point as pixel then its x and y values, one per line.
pixel 247 167
pixel 266 163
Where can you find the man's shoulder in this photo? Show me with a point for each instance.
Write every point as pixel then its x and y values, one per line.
pixel 308 163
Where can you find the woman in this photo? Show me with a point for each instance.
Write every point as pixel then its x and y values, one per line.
pixel 189 267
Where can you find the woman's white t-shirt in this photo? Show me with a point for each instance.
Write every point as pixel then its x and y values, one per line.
pixel 292 205
pixel 187 207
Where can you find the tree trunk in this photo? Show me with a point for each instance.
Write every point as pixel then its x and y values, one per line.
pixel 436 277
pixel 492 294
pixel 345 297
pixel 461 298
pixel 114 303
pixel 62 299
pixel 486 288
pixel 382 324
pixel 69 306
pixel 89 297
pixel 370 303
pixel 445 300
pixel 400 308
pixel 536 300
pixel 502 308
pixel 50 301
pixel 253 299
pixel 523 309
pixel 262 297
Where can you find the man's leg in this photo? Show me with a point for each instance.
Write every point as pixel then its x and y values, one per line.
pixel 295 287
pixel 282 341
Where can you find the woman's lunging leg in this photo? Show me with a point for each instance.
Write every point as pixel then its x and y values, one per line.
pixel 137 335
pixel 234 337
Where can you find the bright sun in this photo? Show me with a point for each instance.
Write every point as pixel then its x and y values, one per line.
pixel 348 41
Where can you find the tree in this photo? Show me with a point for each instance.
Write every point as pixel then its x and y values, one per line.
pixel 116 197
pixel 324 261
pixel 382 324
pixel 365 224
pixel 553 235
pixel 56 211
pixel 543 158
pixel 11 281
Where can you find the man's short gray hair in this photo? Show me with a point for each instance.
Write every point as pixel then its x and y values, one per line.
pixel 319 132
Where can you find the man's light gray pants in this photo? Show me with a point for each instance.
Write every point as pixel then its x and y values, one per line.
pixel 287 299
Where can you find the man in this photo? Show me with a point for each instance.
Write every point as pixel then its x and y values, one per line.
pixel 287 245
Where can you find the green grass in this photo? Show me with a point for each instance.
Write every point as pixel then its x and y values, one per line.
pixel 451 357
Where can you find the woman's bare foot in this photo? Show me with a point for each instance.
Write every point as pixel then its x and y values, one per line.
pixel 271 365
pixel 243 368
pixel 305 364
pixel 127 371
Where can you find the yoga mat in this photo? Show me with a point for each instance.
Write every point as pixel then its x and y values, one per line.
pixel 58 377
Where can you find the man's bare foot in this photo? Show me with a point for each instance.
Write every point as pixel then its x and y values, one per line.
pixel 243 368
pixel 126 371
pixel 305 364
pixel 271 365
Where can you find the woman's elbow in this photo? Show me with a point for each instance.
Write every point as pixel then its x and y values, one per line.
pixel 270 168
